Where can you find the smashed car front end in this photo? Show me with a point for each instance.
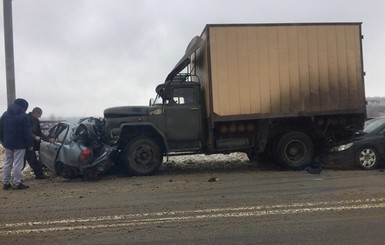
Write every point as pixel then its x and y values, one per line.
pixel 85 153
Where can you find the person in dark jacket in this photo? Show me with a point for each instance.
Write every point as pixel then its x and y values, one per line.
pixel 15 135
pixel 37 135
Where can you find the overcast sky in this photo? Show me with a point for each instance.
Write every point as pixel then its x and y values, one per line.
pixel 78 57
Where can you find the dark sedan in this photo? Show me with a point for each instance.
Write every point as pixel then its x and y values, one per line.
pixel 365 150
pixel 77 150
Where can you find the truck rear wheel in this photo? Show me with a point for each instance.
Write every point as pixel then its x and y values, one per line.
pixel 294 150
pixel 142 156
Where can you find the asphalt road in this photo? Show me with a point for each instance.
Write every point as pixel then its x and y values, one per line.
pixel 242 206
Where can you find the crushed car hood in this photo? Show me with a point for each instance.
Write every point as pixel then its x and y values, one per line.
pixel 124 111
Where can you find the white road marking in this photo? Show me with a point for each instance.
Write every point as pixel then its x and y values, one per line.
pixel 186 216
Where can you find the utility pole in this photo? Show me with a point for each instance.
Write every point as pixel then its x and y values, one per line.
pixel 9 58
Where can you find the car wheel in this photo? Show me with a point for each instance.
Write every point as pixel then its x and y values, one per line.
pixel 142 156
pixel 59 169
pixel 367 158
pixel 294 150
pixel 65 171
pixel 92 174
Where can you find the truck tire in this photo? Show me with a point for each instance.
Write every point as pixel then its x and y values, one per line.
pixel 142 156
pixel 294 150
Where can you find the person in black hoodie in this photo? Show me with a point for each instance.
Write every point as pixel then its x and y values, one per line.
pixel 15 135
pixel 37 135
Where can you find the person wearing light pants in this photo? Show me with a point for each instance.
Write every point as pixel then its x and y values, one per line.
pixel 15 135
pixel 14 160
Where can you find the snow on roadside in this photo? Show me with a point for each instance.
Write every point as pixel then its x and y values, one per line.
pixel 206 162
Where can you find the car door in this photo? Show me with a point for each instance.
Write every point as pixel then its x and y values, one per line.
pixel 50 150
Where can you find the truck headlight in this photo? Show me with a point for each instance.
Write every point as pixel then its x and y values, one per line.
pixel 341 147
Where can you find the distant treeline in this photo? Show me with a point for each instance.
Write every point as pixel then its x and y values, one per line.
pixel 375 106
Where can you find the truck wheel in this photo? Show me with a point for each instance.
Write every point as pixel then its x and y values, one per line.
pixel 367 158
pixel 142 156
pixel 294 150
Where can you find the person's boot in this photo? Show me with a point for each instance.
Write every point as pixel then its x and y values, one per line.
pixel 7 186
pixel 20 186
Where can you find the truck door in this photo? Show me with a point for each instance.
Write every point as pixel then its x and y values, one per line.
pixel 183 118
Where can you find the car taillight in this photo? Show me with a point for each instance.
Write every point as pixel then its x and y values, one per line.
pixel 85 155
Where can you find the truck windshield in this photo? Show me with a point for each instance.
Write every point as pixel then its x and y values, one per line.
pixel 158 100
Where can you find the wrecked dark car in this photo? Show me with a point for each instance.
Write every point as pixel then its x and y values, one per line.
pixel 76 150
pixel 366 150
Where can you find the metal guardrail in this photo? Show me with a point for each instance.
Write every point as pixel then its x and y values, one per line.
pixel 46 125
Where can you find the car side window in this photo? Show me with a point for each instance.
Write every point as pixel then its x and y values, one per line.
pixel 63 132
pixel 51 133
pixel 58 132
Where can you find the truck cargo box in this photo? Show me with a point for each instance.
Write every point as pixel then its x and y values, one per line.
pixel 280 70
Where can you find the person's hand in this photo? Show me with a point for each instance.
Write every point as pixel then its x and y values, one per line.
pixel 37 138
pixel 51 140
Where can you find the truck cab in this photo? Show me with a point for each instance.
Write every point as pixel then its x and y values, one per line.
pixel 171 124
pixel 177 112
